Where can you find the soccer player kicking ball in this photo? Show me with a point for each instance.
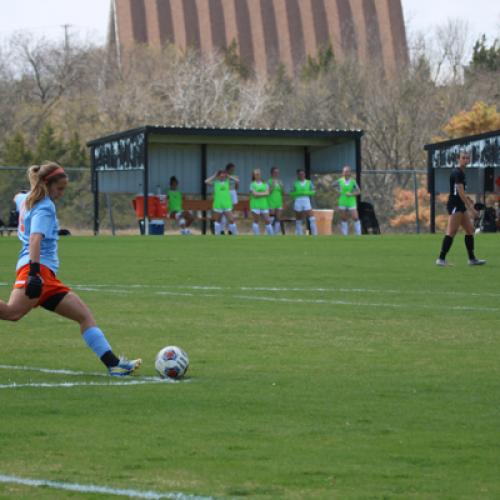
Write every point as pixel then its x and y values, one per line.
pixel 458 204
pixel 36 282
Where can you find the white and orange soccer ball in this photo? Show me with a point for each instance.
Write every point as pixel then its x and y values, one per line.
pixel 172 362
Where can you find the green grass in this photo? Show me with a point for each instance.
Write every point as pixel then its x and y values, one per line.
pixel 369 373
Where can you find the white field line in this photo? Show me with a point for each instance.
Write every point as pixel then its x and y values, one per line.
pixel 356 290
pixel 45 385
pixel 366 304
pixel 263 298
pixel 129 289
pixel 118 288
pixel 69 372
pixel 136 380
pixel 91 488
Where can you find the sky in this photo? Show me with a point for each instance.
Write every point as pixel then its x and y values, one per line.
pixel 89 18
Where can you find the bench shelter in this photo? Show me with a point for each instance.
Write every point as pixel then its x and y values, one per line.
pixel 142 160
pixel 482 173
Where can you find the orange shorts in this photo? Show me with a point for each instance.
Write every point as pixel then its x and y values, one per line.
pixel 52 287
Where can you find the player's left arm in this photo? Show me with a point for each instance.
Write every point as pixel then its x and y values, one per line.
pixel 467 201
pixel 34 282
pixel 356 191
pixel 236 181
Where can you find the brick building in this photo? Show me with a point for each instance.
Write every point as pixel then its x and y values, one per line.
pixel 267 32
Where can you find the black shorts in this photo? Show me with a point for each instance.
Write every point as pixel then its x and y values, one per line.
pixel 454 207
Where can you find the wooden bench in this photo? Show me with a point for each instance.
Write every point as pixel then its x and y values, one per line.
pixel 201 208
pixel 206 206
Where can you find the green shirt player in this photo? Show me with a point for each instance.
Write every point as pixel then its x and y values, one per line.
pixel 259 203
pixel 303 189
pixel 348 189
pixel 222 204
pixel 175 209
pixel 276 195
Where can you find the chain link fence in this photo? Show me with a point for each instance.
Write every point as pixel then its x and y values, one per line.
pixel 399 198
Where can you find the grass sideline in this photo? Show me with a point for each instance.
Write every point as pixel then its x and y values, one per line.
pixel 320 368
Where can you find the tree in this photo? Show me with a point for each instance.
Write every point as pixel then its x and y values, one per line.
pixel 48 146
pixel 485 58
pixel 317 65
pixel 15 152
pixel 480 118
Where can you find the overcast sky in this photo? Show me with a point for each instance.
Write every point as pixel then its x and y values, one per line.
pixel 89 18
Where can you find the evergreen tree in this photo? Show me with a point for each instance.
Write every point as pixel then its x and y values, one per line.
pixel 15 152
pixel 485 58
pixel 76 154
pixel 48 146
pixel 234 61
pixel 315 66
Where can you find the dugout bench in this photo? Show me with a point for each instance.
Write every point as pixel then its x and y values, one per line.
pixel 201 208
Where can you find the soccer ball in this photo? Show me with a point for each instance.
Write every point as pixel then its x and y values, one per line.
pixel 172 362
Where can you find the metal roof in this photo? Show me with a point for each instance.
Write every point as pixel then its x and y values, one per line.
pixel 461 140
pixel 232 132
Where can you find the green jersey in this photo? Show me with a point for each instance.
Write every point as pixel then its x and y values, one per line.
pixel 275 194
pixel 174 201
pixel 347 186
pixel 258 202
pixel 301 189
pixel 222 197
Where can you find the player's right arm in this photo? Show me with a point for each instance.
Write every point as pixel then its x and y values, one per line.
pixel 210 179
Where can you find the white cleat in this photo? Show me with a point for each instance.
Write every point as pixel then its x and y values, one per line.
pixel 125 367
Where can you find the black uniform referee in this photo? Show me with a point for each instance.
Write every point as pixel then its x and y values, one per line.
pixel 458 204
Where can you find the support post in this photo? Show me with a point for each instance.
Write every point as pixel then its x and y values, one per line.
pixel 95 190
pixel 431 187
pixel 203 186
pixel 110 213
pixel 415 190
pixel 146 183
pixel 307 162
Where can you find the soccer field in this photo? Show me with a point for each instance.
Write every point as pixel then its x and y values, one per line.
pixel 320 368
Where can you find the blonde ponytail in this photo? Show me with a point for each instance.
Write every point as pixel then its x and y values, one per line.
pixel 40 176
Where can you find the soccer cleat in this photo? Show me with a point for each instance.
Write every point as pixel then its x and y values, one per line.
pixel 125 367
pixel 441 262
pixel 477 262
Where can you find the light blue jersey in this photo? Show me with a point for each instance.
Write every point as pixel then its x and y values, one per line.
pixel 40 219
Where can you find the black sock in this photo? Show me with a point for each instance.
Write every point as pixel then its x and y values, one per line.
pixel 109 359
pixel 445 248
pixel 469 244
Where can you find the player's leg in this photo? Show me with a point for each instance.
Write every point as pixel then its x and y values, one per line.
pixel 357 222
pixel 217 215
pixel 454 222
pixel 255 223
pixel 72 307
pixel 232 224
pixel 277 221
pixel 344 220
pixel 312 222
pixel 299 230
pixel 188 216
pixel 223 223
pixel 18 305
pixel 469 241
pixel 267 223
